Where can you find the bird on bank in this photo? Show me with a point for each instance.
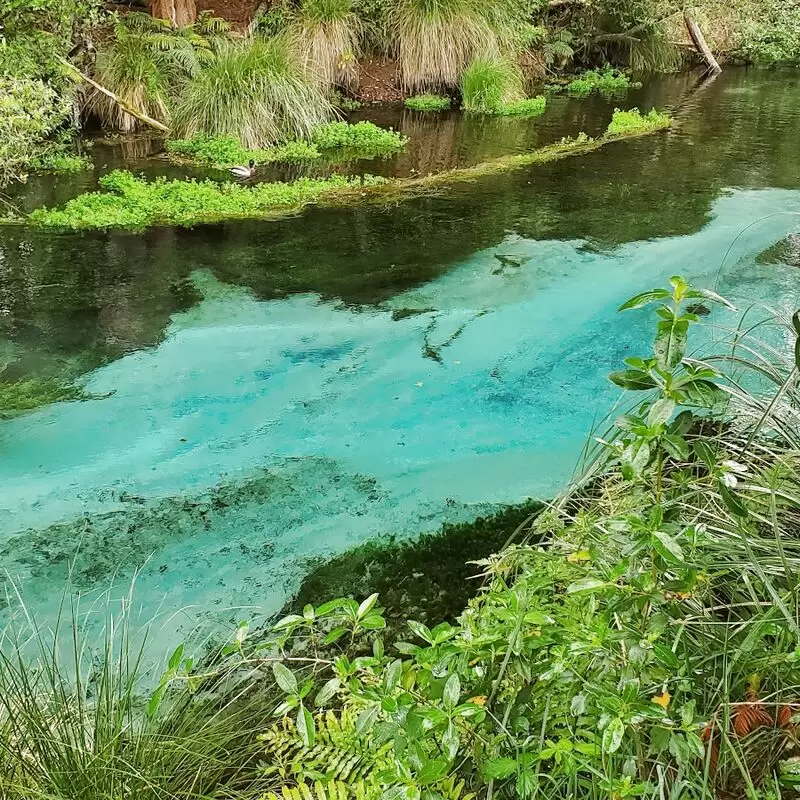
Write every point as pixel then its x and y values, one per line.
pixel 245 172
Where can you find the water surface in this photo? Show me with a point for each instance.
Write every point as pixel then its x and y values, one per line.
pixel 269 392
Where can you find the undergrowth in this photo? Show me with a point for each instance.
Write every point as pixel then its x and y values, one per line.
pixel 494 86
pixel 131 202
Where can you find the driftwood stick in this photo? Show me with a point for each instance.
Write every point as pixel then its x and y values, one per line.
pixel 126 107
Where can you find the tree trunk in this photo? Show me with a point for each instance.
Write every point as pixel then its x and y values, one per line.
pixel 701 44
pixel 179 12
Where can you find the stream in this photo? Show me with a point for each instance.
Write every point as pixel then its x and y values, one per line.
pixel 265 394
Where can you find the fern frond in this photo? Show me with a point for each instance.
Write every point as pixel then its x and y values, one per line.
pixel 338 753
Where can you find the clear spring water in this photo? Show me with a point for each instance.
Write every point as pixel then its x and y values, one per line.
pixel 268 393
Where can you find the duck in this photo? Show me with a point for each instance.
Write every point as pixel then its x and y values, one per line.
pixel 245 172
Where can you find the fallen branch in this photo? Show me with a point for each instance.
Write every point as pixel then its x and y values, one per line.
pixel 701 44
pixel 126 107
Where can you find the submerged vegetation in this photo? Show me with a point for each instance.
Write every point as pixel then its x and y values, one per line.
pixel 636 637
pixel 130 202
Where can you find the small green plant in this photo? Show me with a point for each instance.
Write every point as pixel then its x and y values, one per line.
pixel 334 141
pixel 344 102
pixel 633 121
pixel 130 202
pixel 531 107
pixel 607 82
pixel 61 162
pixel 363 137
pixel 427 102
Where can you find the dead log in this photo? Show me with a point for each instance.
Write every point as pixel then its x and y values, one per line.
pixel 126 107
pixel 700 43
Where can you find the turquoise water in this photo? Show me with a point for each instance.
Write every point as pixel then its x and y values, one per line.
pixel 268 393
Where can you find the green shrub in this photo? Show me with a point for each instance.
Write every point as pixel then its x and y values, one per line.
pixel 427 102
pixel 30 111
pixel 363 137
pixel 130 202
pixel 628 122
pixel 255 90
pixel 771 35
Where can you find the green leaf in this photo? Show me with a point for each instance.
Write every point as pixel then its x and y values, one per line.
pixel 670 344
pixel 155 700
pixel 327 691
pixel 366 719
pixel 176 658
pixel 705 453
pixel 695 744
pixel 659 740
pixel 241 632
pixel 500 768
pixel 732 501
pixel 334 635
pixel 667 547
pixel 308 612
pixel 586 585
pixel 286 622
pixel 284 677
pixel 712 296
pixel 331 605
pixel 452 692
pixel 423 631
pixel 450 741
pixel 660 412
pixel 634 380
pixel 431 771
pixel 682 424
pixel 578 705
pixel 305 726
pixel 373 622
pixel 665 655
pixel 613 735
pixel 645 298
pixel 392 675
pixel 367 605
pixel 676 446
pixel 796 322
pixel 680 287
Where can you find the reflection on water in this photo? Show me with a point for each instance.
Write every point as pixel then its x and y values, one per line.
pixel 282 389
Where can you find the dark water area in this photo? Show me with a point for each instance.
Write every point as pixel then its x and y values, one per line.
pixel 279 390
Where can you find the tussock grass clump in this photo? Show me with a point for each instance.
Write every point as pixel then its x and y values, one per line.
pixel 131 202
pixel 437 39
pixel 633 121
pixel 255 90
pixel 494 86
pixel 90 719
pixel 427 102
pixel 327 34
